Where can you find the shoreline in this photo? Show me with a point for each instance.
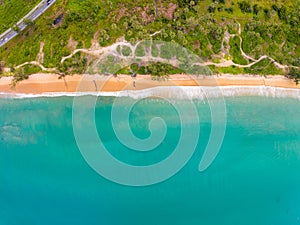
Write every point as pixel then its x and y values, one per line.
pixel 173 92
pixel 40 83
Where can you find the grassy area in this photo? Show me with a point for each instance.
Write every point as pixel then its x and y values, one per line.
pixel 235 51
pixel 264 67
pixel 12 11
pixel 228 70
pixel 197 25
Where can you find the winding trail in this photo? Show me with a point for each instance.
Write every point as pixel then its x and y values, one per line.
pixel 112 50
pixel 36 63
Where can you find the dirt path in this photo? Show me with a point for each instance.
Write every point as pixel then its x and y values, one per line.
pixel 36 63
pixel 114 51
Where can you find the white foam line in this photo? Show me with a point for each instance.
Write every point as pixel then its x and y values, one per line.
pixel 177 92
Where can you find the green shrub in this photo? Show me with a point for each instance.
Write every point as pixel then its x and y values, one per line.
pixel 19 75
pixel 294 74
pixel 264 67
pixel 235 51
pixel 245 7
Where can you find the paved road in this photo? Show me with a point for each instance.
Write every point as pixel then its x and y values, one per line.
pixel 32 15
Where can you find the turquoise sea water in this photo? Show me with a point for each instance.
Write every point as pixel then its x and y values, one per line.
pixel 254 179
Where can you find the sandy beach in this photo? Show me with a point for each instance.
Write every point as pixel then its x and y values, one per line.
pixel 45 83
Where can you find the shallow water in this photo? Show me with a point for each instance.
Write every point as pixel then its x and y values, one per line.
pixel 253 180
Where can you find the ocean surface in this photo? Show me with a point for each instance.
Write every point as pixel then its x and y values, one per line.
pixel 255 178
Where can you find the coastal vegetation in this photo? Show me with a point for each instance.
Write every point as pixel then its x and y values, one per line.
pixel 18 75
pixel 216 31
pixel 294 74
pixel 157 70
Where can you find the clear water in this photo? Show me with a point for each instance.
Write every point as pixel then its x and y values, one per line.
pixel 255 179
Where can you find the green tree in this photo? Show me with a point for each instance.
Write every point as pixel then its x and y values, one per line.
pixel 29 22
pixel 267 13
pixel 245 7
pixel 211 8
pixel 282 13
pixel 255 9
pixel 18 75
pixel 294 74
pixel 16 28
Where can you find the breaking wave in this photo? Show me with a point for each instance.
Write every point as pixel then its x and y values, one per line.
pixel 186 92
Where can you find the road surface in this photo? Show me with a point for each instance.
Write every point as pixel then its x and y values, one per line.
pixel 32 15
